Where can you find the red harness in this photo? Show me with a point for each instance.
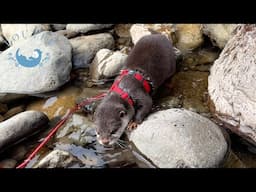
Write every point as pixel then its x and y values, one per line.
pixel 124 95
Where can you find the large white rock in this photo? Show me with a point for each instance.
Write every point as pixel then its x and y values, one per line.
pixel 232 83
pixel 39 64
pixel 180 138
pixel 219 33
pixel 84 28
pixel 86 47
pixel 15 33
pixel 107 64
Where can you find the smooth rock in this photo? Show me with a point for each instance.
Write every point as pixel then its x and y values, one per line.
pixel 107 64
pixel 39 64
pixel 15 33
pixel 177 138
pixel 189 36
pixel 56 159
pixel 86 47
pixel 137 31
pixel 219 33
pixel 84 28
pixel 20 126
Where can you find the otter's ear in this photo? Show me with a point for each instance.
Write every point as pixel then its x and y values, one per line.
pixel 122 114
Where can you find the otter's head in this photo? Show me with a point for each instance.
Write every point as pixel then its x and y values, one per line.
pixel 111 119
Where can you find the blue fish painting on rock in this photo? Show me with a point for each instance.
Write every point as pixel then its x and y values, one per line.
pixel 31 61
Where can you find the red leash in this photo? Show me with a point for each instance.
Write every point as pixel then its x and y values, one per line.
pixel 59 124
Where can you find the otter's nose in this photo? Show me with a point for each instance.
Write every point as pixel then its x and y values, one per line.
pixel 105 141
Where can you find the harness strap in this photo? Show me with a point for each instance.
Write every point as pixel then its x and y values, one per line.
pixel 124 95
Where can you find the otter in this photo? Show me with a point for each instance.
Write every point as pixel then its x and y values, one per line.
pixel 150 62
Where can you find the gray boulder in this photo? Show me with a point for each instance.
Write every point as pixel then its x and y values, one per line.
pixel 86 47
pixel 39 64
pixel 20 126
pixel 177 138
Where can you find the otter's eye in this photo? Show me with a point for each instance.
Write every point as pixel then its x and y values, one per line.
pixel 122 114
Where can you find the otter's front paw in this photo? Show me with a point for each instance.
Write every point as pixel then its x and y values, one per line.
pixel 132 125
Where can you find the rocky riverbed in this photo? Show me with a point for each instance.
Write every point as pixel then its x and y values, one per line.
pixel 202 117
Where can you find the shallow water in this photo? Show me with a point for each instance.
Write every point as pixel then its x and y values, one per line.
pixel 187 89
